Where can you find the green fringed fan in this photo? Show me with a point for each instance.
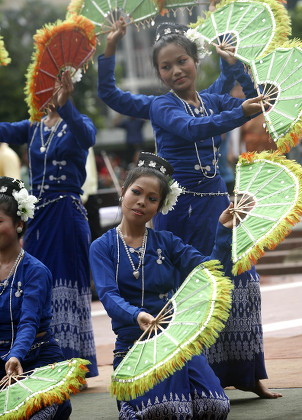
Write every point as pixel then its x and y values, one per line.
pixel 187 324
pixel 252 27
pixel 268 202
pixel 280 76
pixel 47 385
pixel 104 13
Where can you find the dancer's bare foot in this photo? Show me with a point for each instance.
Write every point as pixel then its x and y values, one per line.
pixel 261 390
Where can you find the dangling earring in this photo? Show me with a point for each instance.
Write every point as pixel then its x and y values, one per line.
pixel 121 199
pixel 19 229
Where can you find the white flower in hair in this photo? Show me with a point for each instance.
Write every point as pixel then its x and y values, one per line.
pixel 140 163
pixel 163 170
pixel 3 189
pixel 26 204
pixel 76 75
pixel 195 36
pixel 152 164
pixel 172 197
pixel 167 31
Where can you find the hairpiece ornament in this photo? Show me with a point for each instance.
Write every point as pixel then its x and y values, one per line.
pixel 169 28
pixel 172 197
pixel 196 37
pixel 150 160
pixel 26 204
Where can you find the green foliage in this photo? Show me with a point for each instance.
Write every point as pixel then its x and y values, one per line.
pixel 296 18
pixel 18 28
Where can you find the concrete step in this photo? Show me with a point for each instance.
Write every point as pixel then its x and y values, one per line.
pixel 293 267
pixel 278 256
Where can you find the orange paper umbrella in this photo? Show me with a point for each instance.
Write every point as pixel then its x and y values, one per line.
pixel 64 45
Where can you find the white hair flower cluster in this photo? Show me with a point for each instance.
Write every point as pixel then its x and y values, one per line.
pixel 195 36
pixel 172 197
pixel 26 204
pixel 76 75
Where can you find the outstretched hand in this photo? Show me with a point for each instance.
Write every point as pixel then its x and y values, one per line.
pixel 226 217
pixel 64 89
pixel 144 320
pixel 226 53
pixel 252 106
pixel 114 36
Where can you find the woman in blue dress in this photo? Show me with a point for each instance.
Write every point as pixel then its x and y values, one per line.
pixel 135 271
pixel 59 234
pixel 27 341
pixel 188 133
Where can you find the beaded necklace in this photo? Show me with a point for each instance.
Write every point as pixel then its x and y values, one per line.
pixel 202 111
pixel 4 284
pixel 43 149
pixel 141 254
pixel 52 130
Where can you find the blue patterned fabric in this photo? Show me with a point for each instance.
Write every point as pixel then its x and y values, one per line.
pixel 193 392
pixel 59 234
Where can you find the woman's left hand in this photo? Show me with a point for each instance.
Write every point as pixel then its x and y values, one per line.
pixel 226 217
pixel 144 320
pixel 13 367
pixel 64 89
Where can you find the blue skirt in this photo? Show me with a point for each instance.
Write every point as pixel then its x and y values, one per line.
pixel 237 356
pixel 194 392
pixel 59 236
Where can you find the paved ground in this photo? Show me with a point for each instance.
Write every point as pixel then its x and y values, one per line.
pixel 282 323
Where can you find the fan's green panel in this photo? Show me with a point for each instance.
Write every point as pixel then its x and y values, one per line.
pixel 189 305
pixel 16 395
pixel 282 68
pixel 251 23
pixel 98 10
pixel 275 192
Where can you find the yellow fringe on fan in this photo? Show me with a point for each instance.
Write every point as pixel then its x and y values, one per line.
pixel 124 390
pixel 279 233
pixel 74 7
pixel 283 27
pixel 71 385
pixel 42 38
pixel 4 58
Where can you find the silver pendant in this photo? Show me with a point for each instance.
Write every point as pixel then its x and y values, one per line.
pixel 159 261
pixel 136 274
pixel 42 149
pixel 18 293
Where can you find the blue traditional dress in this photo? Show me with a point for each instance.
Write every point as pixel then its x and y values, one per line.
pixel 195 391
pixel 25 307
pixel 237 356
pixel 59 234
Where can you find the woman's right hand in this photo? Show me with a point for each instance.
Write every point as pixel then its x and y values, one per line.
pixel 144 320
pixel 252 106
pixel 13 367
pixel 117 32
